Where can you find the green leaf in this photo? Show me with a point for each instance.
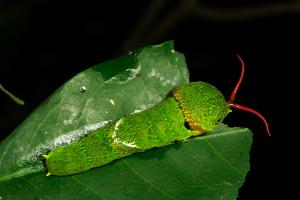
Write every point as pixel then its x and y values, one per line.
pixel 208 167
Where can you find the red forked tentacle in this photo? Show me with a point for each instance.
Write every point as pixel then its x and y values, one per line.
pixel 237 86
pixel 250 110
pixel 234 105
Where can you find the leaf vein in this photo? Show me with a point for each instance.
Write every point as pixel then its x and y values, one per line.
pixel 87 186
pixel 223 158
pixel 36 130
pixel 147 180
pixel 81 113
pixel 35 187
pixel 9 143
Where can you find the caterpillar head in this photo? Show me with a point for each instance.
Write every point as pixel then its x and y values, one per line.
pixel 204 106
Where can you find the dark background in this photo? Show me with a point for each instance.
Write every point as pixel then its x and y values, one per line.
pixel 43 43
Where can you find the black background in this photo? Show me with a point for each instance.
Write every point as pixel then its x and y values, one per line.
pixel 45 43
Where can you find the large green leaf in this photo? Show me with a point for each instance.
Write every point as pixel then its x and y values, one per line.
pixel 208 167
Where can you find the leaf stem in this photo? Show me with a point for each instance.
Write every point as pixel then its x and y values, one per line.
pixel 13 97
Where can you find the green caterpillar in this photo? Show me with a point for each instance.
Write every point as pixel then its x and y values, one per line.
pixel 193 109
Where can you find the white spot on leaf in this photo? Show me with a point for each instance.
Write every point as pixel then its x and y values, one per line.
pixel 112 102
pixel 164 81
pixel 152 73
pixel 82 89
pixel 67 122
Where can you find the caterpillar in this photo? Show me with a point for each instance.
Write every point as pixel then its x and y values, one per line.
pixel 192 109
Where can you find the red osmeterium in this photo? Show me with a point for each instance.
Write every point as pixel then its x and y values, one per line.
pixel 234 105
